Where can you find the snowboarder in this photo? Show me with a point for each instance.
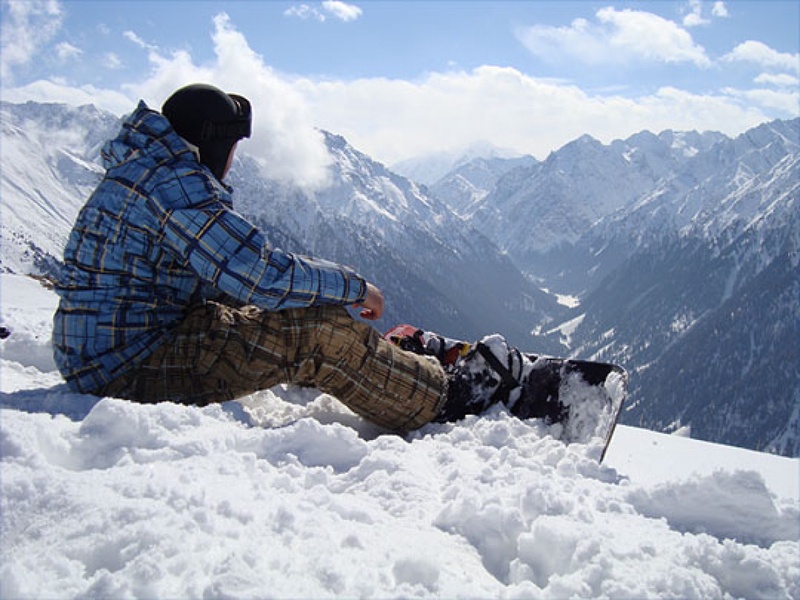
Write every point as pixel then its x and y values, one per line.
pixel 167 294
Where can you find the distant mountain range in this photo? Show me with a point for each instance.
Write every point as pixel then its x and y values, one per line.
pixel 683 248
pixel 679 249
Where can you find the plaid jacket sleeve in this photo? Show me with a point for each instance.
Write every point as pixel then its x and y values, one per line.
pixel 232 255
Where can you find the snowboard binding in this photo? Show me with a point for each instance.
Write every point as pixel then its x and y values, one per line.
pixel 579 400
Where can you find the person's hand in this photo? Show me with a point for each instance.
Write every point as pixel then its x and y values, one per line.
pixel 372 306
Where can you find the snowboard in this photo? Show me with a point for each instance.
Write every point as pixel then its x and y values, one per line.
pixel 578 400
pixel 588 397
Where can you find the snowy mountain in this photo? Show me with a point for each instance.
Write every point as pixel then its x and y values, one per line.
pixel 554 202
pixel 431 168
pixel 683 249
pixel 290 495
pixel 50 164
pixel 469 183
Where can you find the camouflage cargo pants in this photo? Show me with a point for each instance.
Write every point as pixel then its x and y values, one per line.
pixel 219 353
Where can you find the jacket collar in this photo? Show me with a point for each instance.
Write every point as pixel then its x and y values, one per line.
pixel 145 133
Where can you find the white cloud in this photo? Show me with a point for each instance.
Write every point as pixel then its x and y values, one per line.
pixel 66 51
pixel 59 91
pixel 581 40
pixel 616 37
pixel 111 60
pixel 652 37
pixel 694 20
pixel 694 17
pixel 719 9
pixel 335 8
pixel 27 26
pixel 305 12
pixel 785 101
pixel 342 10
pixel 779 80
pixel 761 54
pixel 396 119
pixel 132 36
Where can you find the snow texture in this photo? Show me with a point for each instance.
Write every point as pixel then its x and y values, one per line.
pixel 289 495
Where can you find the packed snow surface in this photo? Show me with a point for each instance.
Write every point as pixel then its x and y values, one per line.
pixel 289 495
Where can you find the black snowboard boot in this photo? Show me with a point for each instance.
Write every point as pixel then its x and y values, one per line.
pixel 486 373
pixel 478 380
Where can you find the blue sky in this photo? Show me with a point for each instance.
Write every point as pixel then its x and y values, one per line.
pixel 404 78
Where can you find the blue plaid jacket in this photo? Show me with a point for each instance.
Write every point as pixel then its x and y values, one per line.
pixel 158 233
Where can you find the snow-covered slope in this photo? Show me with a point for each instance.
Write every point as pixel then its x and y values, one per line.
pixel 289 495
pixel 749 182
pixel 50 164
pixel 432 167
pixel 468 184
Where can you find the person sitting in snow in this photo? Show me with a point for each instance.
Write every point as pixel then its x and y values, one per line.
pixel 167 294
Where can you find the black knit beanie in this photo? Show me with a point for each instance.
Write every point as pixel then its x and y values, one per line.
pixel 211 120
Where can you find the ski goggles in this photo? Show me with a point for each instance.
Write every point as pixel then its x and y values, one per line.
pixel 234 129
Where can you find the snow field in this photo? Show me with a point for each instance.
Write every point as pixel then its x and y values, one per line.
pixel 290 495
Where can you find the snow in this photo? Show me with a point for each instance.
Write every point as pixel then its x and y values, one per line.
pixel 290 495
pixel 567 329
pixel 568 301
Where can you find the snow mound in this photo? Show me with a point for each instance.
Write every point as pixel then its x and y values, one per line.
pixel 174 501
